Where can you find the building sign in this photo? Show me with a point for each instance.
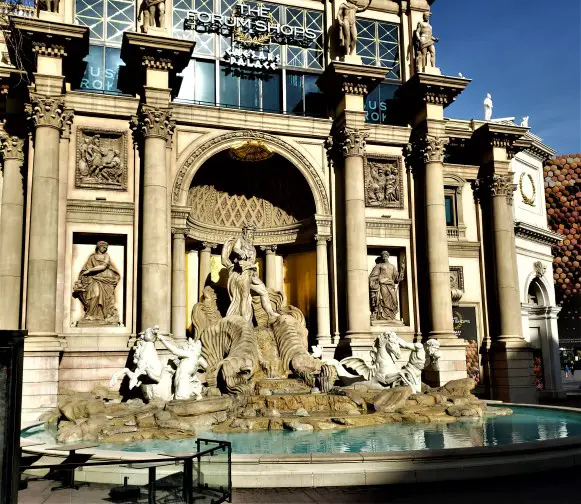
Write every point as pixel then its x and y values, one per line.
pixel 252 30
pixel 464 318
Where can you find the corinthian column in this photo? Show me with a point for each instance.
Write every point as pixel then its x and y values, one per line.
pixel 45 113
pixel 270 266
pixel 323 310
pixel 352 145
pixel 178 285
pixel 155 126
pixel 499 189
pixel 11 222
pixel 205 266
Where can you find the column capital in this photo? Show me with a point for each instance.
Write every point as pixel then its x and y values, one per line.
pixel 68 116
pixel 12 148
pixel 46 111
pixel 179 231
pixel 494 185
pixel 269 249
pixel 153 122
pixel 425 149
pixel 208 245
pixel 351 141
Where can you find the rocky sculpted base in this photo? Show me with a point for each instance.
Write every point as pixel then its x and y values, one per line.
pixel 102 415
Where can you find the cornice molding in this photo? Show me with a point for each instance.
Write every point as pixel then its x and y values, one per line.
pixel 536 234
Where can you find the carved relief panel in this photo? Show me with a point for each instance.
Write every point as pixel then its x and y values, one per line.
pixel 383 181
pixel 101 159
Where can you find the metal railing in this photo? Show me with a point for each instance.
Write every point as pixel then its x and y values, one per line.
pixel 204 477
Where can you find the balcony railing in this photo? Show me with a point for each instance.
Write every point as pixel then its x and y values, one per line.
pixel 17 8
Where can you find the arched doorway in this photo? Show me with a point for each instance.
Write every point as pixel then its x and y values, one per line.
pixel 543 336
pixel 252 181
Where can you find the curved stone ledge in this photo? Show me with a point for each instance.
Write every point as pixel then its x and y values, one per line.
pixel 347 469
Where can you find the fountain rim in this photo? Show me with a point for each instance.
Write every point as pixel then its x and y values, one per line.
pixel 328 469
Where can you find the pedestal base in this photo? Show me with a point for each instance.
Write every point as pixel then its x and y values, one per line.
pixel 452 364
pixel 511 372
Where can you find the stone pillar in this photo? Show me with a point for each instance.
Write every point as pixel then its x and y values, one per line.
pixel 352 144
pixel 45 114
pixel 192 281
pixel 270 266
pixel 323 309
pixel 178 285
pixel 155 126
pixel 510 356
pixel 205 266
pixel 11 233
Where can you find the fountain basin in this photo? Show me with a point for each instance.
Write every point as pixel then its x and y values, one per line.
pixel 533 439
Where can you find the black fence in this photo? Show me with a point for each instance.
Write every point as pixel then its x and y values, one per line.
pixel 204 477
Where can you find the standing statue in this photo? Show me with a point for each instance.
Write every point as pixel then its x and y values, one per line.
pixel 424 48
pixel 383 289
pixel 48 5
pixel 525 122
pixel 95 288
pixel 186 381
pixel 153 14
pixel 239 258
pixel 346 17
pixel 488 107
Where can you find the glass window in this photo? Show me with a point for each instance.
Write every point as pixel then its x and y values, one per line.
pixel 271 93
pixel 249 91
pixel 205 85
pixel 228 87
pixel 378 104
pixel 93 76
pixel 315 104
pixel 450 210
pixel 303 96
pixel 294 93
pixel 378 45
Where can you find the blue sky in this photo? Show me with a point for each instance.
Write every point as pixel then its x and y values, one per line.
pixel 526 53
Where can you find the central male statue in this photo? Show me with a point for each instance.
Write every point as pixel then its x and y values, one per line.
pixel 239 258
pixel 424 44
pixel 347 24
pixel 383 282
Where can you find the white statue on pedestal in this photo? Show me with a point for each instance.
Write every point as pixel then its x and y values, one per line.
pixel 525 122
pixel 488 107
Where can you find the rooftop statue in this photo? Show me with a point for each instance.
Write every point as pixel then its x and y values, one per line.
pixel 488 107
pixel 346 18
pixel 525 122
pixel 424 48
pixel 153 14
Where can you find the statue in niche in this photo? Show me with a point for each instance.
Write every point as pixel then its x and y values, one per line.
pixel 346 17
pixel 100 164
pixel 382 185
pixel 95 288
pixel 153 14
pixel 189 361
pixel 383 282
pixel 424 44
pixel 239 258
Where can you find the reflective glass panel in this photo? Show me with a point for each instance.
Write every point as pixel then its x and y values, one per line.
pixel 250 91
pixel 94 71
pixel 314 100
pixel 271 93
pixel 228 87
pixel 294 93
pixel 450 217
pixel 205 86
pixel 113 63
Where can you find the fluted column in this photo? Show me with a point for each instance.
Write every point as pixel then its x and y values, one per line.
pixel 352 144
pixel 45 113
pixel 155 126
pixel 11 233
pixel 178 285
pixel 205 265
pixel 323 309
pixel 270 266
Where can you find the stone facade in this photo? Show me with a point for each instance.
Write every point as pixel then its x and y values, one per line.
pixel 165 182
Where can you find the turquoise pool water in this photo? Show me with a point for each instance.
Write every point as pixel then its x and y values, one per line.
pixel 527 424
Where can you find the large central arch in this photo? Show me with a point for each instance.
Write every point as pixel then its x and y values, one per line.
pixel 216 144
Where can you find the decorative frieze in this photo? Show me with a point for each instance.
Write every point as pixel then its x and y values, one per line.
pixel 101 159
pixel 45 111
pixel 154 63
pixel 54 51
pixel 383 181
pixel 352 141
pixel 354 88
pixel 12 148
pixel 68 116
pixel 494 185
pixel 153 122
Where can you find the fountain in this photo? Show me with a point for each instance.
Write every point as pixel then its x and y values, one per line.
pixel 247 376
